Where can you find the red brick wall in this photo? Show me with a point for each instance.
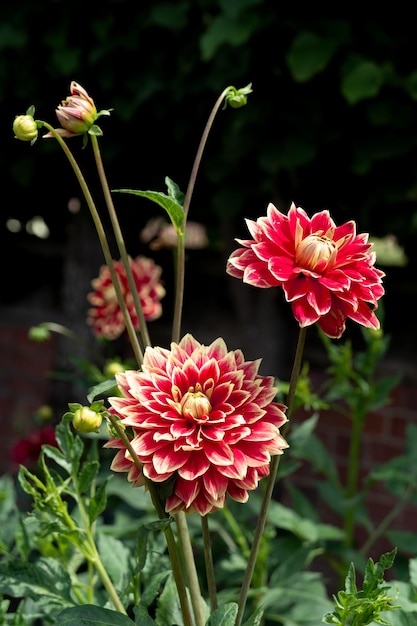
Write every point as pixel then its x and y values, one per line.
pixel 24 382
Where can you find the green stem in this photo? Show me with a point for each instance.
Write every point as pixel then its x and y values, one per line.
pixel 382 527
pixel 179 286
pixel 263 513
pixel 143 329
pixel 169 536
pixel 103 241
pixel 183 532
pixel 190 568
pixel 66 332
pixel 208 556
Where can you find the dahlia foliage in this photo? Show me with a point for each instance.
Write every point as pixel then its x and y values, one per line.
pixel 203 415
pixel 326 271
pixel 105 315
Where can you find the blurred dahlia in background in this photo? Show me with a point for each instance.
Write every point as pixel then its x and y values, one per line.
pixel 105 316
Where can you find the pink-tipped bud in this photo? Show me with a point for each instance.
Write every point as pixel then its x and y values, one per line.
pixel 77 113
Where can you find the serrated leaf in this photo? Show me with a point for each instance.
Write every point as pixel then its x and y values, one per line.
pixel 90 615
pixel 71 446
pixel 98 502
pixel 87 475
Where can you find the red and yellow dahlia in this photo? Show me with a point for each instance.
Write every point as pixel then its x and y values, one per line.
pixel 105 316
pixel 202 416
pixel 326 271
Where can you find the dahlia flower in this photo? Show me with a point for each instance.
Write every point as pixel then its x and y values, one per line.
pixel 202 416
pixel 326 271
pixel 105 316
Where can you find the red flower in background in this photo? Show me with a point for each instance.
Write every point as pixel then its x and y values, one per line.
pixel 106 316
pixel 203 415
pixel 26 451
pixel 326 271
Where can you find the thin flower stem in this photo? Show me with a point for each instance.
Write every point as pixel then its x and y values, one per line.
pixel 66 332
pixel 143 329
pixel 208 555
pixel 103 242
pixel 382 527
pixel 169 536
pixel 182 527
pixel 263 513
pixel 179 286
pixel 190 568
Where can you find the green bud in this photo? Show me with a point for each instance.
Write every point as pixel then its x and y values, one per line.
pixel 25 128
pixel 86 421
pixel 112 368
pixel 237 98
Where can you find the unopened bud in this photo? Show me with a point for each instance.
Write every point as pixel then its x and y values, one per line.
pixel 237 98
pixel 25 128
pixel 86 421
pixel 112 368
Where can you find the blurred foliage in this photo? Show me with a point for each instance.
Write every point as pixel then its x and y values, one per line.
pixel 331 124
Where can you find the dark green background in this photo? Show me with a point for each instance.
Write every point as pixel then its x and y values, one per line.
pixel 331 122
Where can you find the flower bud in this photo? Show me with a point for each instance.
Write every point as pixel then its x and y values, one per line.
pixel 77 113
pixel 86 420
pixel 112 368
pixel 25 128
pixel 237 98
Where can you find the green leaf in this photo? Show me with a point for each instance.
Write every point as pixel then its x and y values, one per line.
pixel 174 191
pixel 90 615
pixel 119 569
pixel 309 54
pixel 56 455
pixel 45 579
pixel 101 389
pixel 363 79
pixel 98 502
pixel 225 615
pixel 142 617
pixel 167 202
pixel 168 610
pixel 255 619
pixel 71 446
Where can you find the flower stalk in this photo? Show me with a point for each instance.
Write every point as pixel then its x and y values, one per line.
pixel 263 512
pixel 103 241
pixel 143 329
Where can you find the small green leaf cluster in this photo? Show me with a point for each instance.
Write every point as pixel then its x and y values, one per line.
pixel 362 607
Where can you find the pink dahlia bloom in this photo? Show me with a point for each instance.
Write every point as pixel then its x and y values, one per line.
pixel 326 271
pixel 201 415
pixel 105 316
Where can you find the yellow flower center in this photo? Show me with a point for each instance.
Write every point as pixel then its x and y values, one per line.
pixel 316 252
pixel 195 404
